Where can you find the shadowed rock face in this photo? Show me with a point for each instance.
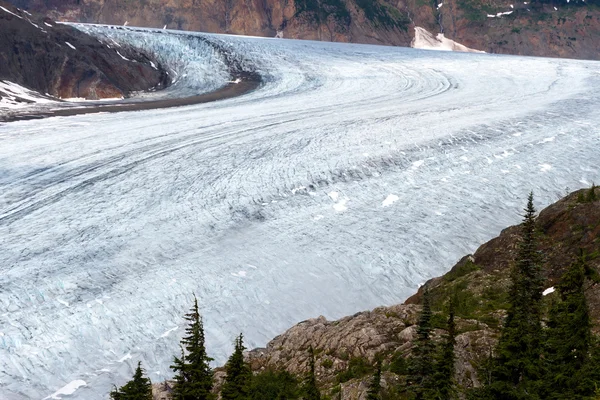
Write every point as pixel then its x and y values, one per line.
pixel 59 60
pixel 572 30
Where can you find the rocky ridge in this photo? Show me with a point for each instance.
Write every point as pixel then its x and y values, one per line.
pixel 59 60
pixel 542 28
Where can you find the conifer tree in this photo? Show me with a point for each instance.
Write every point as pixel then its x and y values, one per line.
pixel 517 372
pixel 193 373
pixel 422 362
pixel 310 389
pixel 443 379
pixel 374 391
pixel 569 338
pixel 591 194
pixel 239 375
pixel 139 388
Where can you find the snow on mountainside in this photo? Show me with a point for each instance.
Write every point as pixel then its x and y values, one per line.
pixel 13 96
pixel 269 206
pixel 426 41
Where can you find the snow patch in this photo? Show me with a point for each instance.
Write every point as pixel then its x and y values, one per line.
pixel 122 56
pixel 334 196
pixel 548 291
pixel 391 199
pixel 67 390
pixel 241 274
pixel 417 164
pixel 340 206
pixel 13 96
pixel 545 167
pixel 64 303
pixel 426 41
pixel 167 333
pixel 10 12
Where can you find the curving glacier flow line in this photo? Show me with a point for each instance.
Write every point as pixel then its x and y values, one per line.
pixel 352 175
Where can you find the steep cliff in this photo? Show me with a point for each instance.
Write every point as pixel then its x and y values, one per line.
pixel 563 29
pixel 58 60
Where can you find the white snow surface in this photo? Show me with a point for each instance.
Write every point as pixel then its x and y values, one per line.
pixel 425 40
pixel 142 209
pixel 66 390
pixel 14 97
pixel 548 291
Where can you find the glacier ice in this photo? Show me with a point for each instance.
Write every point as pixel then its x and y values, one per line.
pixel 109 222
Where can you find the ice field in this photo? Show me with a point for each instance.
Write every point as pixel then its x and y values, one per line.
pixel 352 175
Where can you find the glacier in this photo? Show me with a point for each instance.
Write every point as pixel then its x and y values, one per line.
pixel 352 175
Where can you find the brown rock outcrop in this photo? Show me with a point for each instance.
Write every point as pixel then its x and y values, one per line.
pixel 572 30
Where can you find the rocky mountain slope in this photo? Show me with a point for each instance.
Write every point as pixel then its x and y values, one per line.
pixel 346 348
pixel 542 28
pixel 60 61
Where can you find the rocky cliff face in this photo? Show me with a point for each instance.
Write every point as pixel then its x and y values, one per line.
pixel 61 61
pixel 497 26
pixel 481 281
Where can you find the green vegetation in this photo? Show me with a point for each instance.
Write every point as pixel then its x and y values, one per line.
pixel 139 388
pixel 374 391
pixel 239 375
pixel 475 11
pixel 274 385
pixel 517 366
pixel 320 10
pixel 588 196
pixel 357 368
pixel 443 376
pixel 421 364
pixel 193 379
pixel 310 391
pixel 382 14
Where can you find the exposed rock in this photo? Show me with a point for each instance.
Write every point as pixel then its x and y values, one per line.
pixel 59 60
pixel 493 25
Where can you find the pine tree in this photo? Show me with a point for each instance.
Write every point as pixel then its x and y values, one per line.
pixel 239 375
pixel 422 361
pixel 310 389
pixel 569 338
pixel 443 378
pixel 591 194
pixel 374 391
pixel 193 373
pixel 139 388
pixel 517 373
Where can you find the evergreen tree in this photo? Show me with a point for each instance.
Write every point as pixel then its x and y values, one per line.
pixel 239 375
pixel 422 362
pixel 374 391
pixel 569 338
pixel 193 373
pixel 310 389
pixel 443 378
pixel 139 388
pixel 591 194
pixel 517 373
pixel 274 385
